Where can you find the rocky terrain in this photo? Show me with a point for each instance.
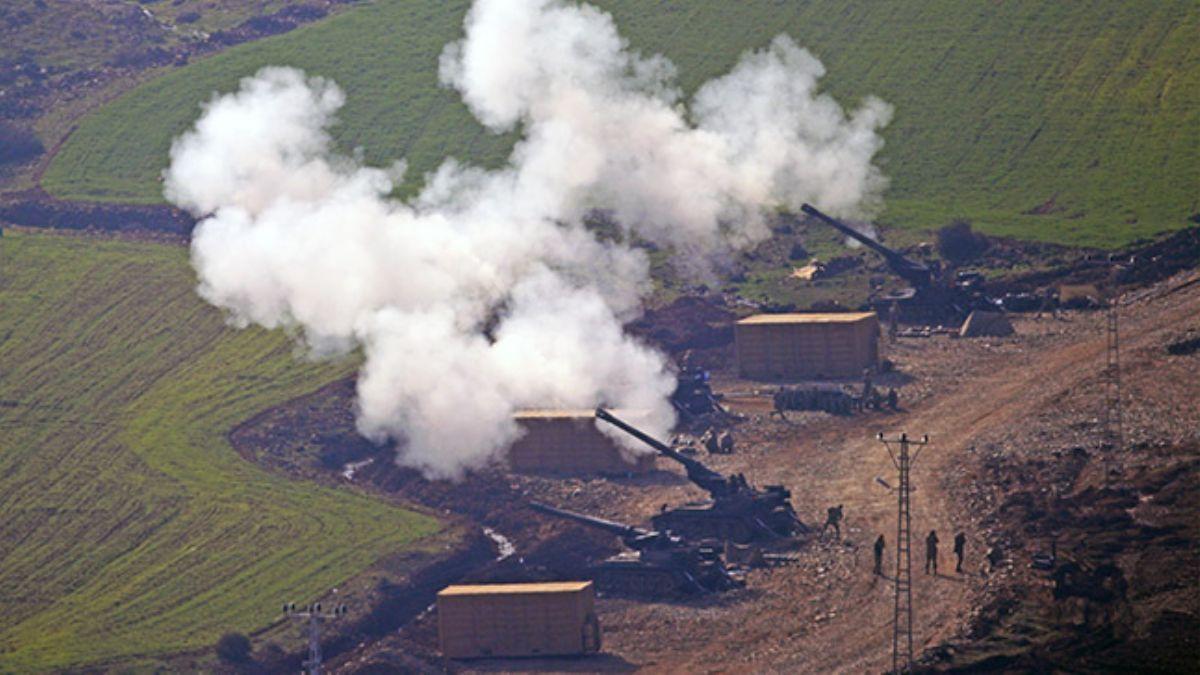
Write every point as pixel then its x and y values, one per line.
pixel 1018 461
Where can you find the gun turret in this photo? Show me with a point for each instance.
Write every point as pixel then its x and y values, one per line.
pixel 737 512
pixel 916 273
pixel 693 396
pixel 711 481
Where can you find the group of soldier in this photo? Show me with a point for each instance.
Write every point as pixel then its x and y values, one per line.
pixel 714 442
pixel 931 552
pixel 717 443
pixel 872 399
pixel 833 519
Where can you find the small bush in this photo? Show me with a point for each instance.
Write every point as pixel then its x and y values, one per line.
pixel 958 243
pixel 234 648
pixel 18 144
pixel 135 57
pixel 333 458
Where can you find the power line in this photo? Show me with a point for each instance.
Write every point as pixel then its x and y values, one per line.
pixel 902 613
pixel 314 616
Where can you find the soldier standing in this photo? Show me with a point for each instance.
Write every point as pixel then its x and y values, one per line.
pixel 833 518
pixel 960 545
pixel 931 543
pixel 780 402
pixel 868 390
pixel 879 555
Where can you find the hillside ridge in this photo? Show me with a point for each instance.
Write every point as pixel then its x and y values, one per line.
pixel 1067 122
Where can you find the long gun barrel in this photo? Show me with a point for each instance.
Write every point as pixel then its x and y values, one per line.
pixel 627 532
pixel 915 273
pixel 699 474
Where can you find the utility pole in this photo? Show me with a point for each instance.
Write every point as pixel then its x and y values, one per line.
pixel 314 616
pixel 1114 431
pixel 902 614
pixel 1113 428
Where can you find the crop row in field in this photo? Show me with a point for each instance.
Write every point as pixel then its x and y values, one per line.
pixel 131 528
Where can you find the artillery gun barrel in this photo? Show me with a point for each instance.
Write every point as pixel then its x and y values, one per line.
pixel 697 472
pixel 915 273
pixel 638 434
pixel 619 529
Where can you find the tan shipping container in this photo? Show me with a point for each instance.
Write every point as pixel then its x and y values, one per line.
pixel 544 619
pixel 568 442
pixel 794 346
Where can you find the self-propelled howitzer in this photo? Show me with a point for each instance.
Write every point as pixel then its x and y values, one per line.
pixel 736 511
pixel 914 272
pixel 933 295
pixel 658 563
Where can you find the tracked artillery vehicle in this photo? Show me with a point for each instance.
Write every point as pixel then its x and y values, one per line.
pixel 932 296
pixel 657 563
pixel 736 510
pixel 693 397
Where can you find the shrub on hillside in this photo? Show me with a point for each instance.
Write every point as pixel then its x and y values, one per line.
pixel 136 57
pixel 234 648
pixel 18 144
pixel 958 243
pixel 333 458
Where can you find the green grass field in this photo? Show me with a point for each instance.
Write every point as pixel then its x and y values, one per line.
pixel 130 527
pixel 1085 113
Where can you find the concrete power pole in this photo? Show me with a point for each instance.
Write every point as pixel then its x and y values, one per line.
pixel 1114 431
pixel 314 616
pixel 902 614
pixel 1114 428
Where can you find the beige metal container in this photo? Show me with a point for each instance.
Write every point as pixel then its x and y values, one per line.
pixel 493 620
pixel 795 346
pixel 568 442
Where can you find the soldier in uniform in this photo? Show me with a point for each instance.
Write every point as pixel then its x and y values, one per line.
pixel 931 543
pixel 960 545
pixel 833 518
pixel 780 400
pixel 879 555
pixel 868 390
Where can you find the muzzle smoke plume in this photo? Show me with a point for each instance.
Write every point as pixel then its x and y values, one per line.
pixel 485 294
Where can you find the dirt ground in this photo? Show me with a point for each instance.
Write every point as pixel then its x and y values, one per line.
pixel 1015 461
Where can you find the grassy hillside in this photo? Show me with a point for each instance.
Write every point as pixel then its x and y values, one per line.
pixel 131 528
pixel 1074 122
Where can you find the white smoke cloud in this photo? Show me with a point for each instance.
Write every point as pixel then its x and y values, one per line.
pixel 485 294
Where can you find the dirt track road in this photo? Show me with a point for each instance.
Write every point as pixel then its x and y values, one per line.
pixel 830 614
